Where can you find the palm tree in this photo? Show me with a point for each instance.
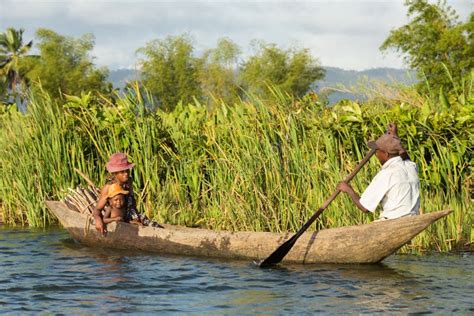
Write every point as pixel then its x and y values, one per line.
pixel 12 53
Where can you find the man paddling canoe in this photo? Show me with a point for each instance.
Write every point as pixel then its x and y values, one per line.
pixel 396 186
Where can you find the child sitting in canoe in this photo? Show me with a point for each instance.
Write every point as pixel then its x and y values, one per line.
pixel 116 200
pixel 119 166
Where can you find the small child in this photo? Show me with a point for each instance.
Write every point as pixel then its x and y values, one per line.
pixel 119 167
pixel 116 200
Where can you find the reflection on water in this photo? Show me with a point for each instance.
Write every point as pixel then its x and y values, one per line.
pixel 46 271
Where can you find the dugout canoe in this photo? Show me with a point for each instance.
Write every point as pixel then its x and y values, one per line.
pixel 367 243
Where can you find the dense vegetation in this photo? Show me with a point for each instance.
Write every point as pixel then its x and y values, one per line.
pixel 254 165
pixel 247 150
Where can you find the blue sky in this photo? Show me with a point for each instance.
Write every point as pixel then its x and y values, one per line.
pixel 345 34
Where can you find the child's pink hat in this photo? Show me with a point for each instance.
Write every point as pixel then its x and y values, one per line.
pixel 119 162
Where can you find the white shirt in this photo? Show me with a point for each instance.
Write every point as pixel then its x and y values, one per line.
pixel 397 186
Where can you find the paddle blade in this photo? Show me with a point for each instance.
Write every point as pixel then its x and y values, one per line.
pixel 278 255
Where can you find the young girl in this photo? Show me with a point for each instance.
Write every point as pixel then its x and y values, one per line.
pixel 119 166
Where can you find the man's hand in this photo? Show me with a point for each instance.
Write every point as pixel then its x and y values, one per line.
pixel 345 187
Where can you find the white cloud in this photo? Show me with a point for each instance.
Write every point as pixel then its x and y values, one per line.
pixel 340 33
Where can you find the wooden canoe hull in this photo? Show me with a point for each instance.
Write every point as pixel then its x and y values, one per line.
pixel 367 243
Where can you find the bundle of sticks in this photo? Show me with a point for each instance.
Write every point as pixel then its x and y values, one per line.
pixel 82 200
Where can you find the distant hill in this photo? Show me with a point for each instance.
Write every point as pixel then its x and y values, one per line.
pixel 340 77
pixel 334 77
pixel 349 77
pixel 119 77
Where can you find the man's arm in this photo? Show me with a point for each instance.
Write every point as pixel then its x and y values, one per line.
pixel 347 188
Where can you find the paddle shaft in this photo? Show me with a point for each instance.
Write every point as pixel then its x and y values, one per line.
pixel 281 251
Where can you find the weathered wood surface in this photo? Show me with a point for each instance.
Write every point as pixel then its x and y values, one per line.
pixel 367 243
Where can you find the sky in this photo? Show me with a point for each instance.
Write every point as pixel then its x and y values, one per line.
pixel 340 33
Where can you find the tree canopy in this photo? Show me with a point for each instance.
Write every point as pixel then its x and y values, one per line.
pixel 169 70
pixel 65 65
pixel 294 71
pixel 435 43
pixel 172 73
pixel 218 72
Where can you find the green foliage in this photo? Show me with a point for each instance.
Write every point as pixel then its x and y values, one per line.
pixel 169 70
pixel 65 67
pixel 172 74
pixel 293 71
pixel 253 165
pixel 435 43
pixel 217 72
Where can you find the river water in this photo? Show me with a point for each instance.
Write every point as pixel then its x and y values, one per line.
pixel 47 272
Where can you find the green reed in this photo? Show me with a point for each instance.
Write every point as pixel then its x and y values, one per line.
pixel 262 165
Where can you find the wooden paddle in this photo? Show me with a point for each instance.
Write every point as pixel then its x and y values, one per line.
pixel 281 251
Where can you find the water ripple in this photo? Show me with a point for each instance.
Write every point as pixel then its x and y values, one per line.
pixel 47 272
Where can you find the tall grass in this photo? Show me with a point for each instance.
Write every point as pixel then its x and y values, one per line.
pixel 263 165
